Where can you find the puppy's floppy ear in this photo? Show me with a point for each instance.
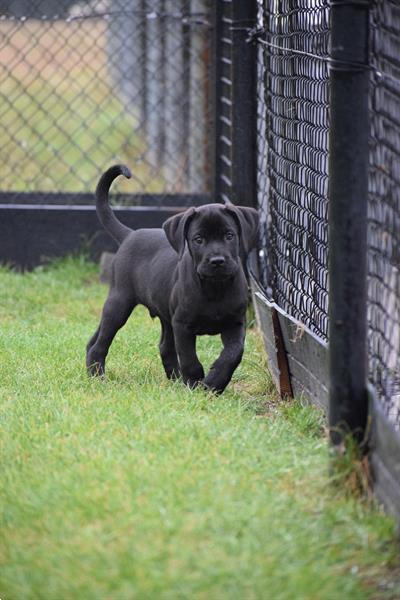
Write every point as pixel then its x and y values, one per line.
pixel 176 229
pixel 248 221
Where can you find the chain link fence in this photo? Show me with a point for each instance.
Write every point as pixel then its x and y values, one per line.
pixel 384 207
pixel 89 83
pixel 293 126
pixel 293 54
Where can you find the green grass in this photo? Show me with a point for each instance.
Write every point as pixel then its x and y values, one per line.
pixel 136 487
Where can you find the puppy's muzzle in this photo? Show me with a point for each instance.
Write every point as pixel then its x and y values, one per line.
pixel 217 268
pixel 217 262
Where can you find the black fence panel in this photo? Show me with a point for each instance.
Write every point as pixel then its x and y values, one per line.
pixel 303 185
pixel 293 128
pixel 384 208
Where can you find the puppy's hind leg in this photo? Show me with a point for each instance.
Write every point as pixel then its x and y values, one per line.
pixel 116 311
pixel 168 351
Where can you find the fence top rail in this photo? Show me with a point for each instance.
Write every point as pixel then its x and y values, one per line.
pixel 187 18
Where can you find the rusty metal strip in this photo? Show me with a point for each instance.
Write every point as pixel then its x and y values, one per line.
pixel 285 385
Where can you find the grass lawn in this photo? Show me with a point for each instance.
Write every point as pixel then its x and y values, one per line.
pixel 136 487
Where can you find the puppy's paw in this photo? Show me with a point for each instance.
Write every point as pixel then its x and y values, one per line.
pixel 211 388
pixel 96 369
pixel 173 374
pixel 192 383
pixel 193 376
pixel 213 384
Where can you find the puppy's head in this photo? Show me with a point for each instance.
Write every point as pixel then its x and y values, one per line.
pixel 216 235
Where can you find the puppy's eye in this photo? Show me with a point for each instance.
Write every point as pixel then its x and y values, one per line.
pixel 198 239
pixel 229 235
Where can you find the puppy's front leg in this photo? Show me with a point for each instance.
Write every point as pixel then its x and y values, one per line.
pixel 185 343
pixel 222 370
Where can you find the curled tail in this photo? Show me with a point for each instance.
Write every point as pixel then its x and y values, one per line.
pixel 106 216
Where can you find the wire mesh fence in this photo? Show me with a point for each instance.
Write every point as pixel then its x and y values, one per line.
pixel 293 55
pixel 293 125
pixel 384 207
pixel 85 84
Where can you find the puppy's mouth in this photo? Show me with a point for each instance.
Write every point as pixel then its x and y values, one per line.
pixel 216 277
pixel 219 274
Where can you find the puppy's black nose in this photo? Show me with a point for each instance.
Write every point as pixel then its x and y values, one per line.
pixel 217 261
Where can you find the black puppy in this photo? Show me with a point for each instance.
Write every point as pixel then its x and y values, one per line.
pixel 189 274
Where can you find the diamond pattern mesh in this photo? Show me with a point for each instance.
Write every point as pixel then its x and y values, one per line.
pixel 384 208
pixel 293 125
pixel 86 84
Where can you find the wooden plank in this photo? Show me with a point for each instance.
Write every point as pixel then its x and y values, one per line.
pixel 285 384
pixel 384 457
pixel 308 361
pixel 307 355
pixel 268 322
pixel 265 325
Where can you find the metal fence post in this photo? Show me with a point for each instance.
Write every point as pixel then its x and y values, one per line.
pixel 349 83
pixel 235 111
pixel 221 95
pixel 244 105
